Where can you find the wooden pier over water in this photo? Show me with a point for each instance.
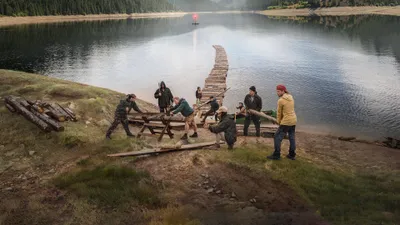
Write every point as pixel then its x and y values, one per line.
pixel 215 83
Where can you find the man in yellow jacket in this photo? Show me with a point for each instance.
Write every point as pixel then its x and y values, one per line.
pixel 287 120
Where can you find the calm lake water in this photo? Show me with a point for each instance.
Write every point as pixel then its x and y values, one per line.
pixel 344 72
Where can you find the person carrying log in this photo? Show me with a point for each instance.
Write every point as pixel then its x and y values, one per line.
pixel 121 115
pixel 287 119
pixel 242 111
pixel 213 110
pixel 182 106
pixel 252 101
pixel 225 129
pixel 199 95
pixel 164 96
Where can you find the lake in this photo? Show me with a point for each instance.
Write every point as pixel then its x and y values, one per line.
pixel 344 72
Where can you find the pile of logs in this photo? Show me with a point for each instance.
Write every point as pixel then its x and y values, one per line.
pixel 44 115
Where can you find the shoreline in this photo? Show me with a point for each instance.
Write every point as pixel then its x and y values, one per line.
pixel 13 21
pixel 336 11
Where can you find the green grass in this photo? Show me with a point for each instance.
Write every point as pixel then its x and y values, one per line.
pixel 341 198
pixel 111 186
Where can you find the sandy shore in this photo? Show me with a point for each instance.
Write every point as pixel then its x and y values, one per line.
pixel 10 21
pixel 336 11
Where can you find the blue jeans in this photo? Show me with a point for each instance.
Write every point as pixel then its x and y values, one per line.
pixel 280 134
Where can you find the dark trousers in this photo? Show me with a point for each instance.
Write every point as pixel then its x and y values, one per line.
pixel 280 134
pixel 209 113
pixel 164 110
pixel 247 121
pixel 117 120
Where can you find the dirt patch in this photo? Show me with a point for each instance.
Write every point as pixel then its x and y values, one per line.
pixel 225 194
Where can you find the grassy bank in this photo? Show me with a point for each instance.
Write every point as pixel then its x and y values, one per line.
pixel 336 11
pixel 11 21
pixel 66 178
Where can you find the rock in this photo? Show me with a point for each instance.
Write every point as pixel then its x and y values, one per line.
pixel 205 182
pixel 31 153
pixel 87 122
pixel 71 105
pixel 214 186
pixel 104 123
pixel 22 146
pixel 52 171
pixel 211 190
pixel 8 189
pixel 218 192
pixel 232 199
pixel 233 195
pixel 199 185
pixel 10 153
pixel 253 200
pixel 2 147
pixel 204 175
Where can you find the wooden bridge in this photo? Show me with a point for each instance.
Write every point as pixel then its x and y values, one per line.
pixel 215 83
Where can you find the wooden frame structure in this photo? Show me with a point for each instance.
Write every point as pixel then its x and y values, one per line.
pixel 154 128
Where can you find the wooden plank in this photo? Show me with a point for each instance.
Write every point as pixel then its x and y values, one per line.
pixel 154 125
pixel 165 150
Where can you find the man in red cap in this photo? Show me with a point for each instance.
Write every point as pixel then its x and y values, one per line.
pixel 287 120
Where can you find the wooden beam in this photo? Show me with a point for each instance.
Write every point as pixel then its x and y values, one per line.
pixel 165 150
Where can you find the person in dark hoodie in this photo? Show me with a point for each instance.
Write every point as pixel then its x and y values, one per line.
pixel 164 96
pixel 252 101
pixel 225 129
pixel 213 110
pixel 199 95
pixel 182 106
pixel 121 115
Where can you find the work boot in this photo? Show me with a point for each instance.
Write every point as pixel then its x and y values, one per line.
pixel 291 157
pixel 194 135
pixel 184 137
pixel 274 157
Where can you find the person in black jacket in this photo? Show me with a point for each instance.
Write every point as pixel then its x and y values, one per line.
pixel 121 115
pixel 199 95
pixel 252 101
pixel 225 129
pixel 164 96
pixel 214 107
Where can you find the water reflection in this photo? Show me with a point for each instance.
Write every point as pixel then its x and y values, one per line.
pixel 343 71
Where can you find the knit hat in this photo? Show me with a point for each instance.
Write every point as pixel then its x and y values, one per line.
pixel 222 109
pixel 253 88
pixel 281 87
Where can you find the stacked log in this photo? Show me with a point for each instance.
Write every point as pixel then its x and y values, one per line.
pixel 44 115
pixel 215 83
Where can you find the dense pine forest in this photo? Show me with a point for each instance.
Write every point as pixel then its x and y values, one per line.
pixel 81 7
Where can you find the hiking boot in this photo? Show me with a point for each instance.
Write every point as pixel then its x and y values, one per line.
pixel 184 137
pixel 274 157
pixel 131 135
pixel 194 135
pixel 291 157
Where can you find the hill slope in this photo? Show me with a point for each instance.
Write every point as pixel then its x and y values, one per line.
pixel 66 178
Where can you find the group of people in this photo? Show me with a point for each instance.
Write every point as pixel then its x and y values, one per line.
pixel 225 129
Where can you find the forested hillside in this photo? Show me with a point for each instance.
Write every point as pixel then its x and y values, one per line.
pixel 81 7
